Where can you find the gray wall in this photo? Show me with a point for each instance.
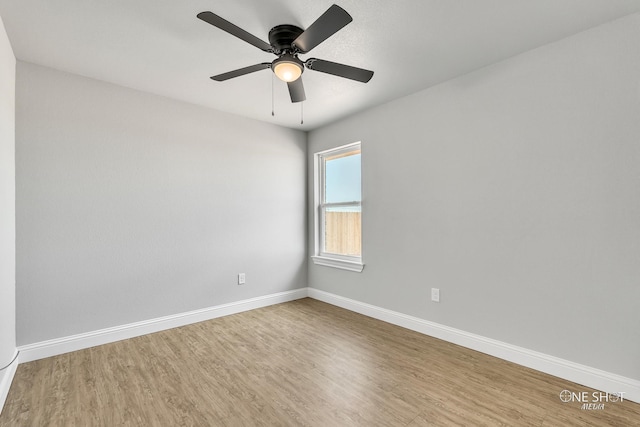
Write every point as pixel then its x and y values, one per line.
pixel 515 190
pixel 7 201
pixel 132 206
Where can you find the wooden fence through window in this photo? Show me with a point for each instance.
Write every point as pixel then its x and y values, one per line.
pixel 343 232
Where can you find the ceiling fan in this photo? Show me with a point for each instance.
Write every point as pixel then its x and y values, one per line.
pixel 287 42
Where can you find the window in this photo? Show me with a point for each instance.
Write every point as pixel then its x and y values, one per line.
pixel 338 217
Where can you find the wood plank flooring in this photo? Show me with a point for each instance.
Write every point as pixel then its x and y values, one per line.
pixel 303 363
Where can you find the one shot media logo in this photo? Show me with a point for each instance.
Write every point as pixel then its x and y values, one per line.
pixel 591 401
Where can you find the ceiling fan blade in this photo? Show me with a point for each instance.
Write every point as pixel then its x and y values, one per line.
pixel 234 30
pixel 241 72
pixel 340 70
pixel 324 27
pixel 296 90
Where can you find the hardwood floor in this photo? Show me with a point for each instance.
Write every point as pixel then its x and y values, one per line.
pixel 303 363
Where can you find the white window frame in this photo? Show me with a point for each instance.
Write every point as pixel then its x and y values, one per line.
pixel 345 262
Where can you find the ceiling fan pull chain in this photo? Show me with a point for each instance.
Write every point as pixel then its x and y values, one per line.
pixel 301 113
pixel 272 102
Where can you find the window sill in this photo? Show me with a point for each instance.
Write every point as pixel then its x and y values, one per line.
pixel 338 263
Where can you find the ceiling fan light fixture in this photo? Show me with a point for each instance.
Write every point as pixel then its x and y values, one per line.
pixel 287 68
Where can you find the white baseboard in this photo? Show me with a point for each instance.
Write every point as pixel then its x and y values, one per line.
pixel 57 346
pixel 6 377
pixel 581 374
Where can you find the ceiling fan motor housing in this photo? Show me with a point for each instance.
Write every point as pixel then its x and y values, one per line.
pixel 281 37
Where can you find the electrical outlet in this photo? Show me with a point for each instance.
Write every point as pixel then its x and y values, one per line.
pixel 435 294
pixel 241 279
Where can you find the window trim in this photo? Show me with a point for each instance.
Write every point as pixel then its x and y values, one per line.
pixel 345 262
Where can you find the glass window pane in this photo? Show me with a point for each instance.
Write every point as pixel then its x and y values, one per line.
pixel 343 178
pixel 342 230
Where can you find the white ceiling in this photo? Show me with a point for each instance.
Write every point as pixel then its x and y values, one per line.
pixel 159 46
